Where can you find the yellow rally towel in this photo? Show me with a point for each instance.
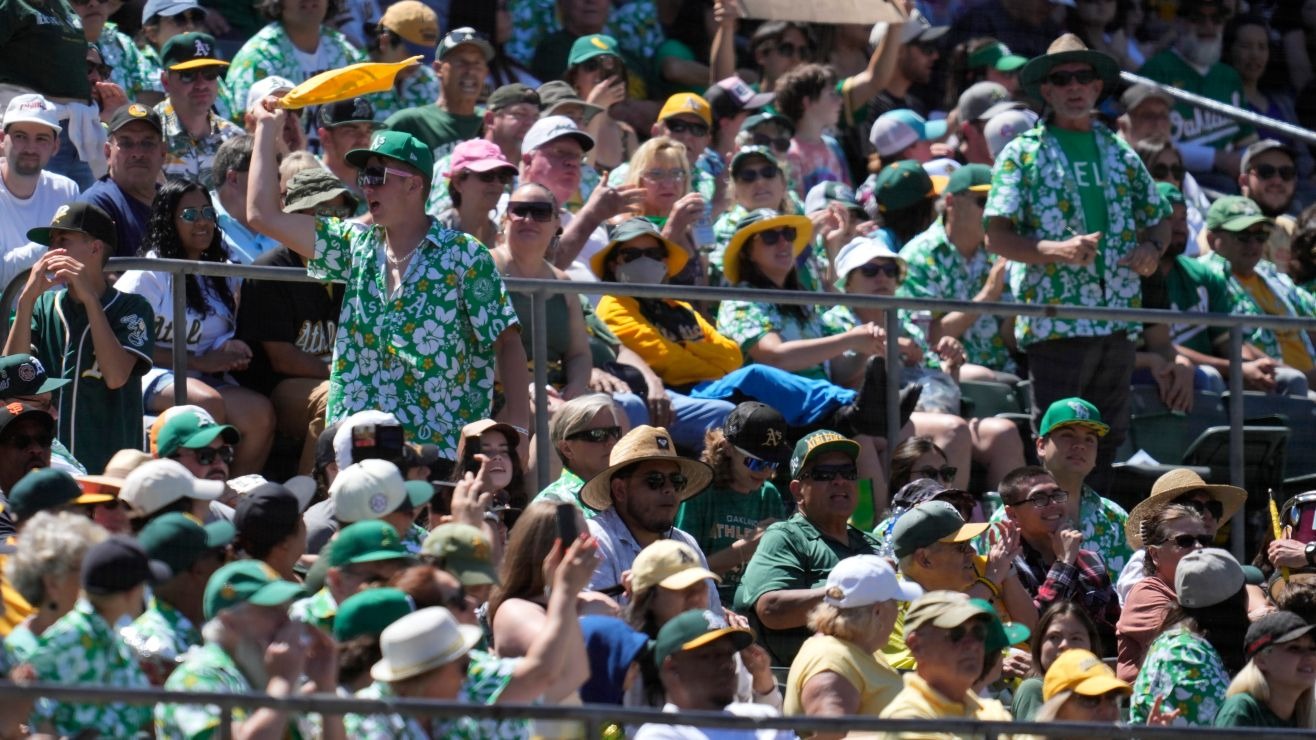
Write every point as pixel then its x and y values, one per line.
pixel 350 81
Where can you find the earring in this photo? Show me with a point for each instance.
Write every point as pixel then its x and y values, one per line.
pixel 52 605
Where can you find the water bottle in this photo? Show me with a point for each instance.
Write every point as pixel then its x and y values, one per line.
pixel 702 233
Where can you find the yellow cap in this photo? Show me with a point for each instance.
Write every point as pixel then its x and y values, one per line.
pixel 669 564
pixel 687 103
pixel 1083 673
pixel 414 21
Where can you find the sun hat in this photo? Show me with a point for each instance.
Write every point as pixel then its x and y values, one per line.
pixel 477 155
pixel 156 484
pixel 1067 49
pixel 370 489
pixel 634 228
pixel 465 551
pixel 1072 412
pixel 641 444
pixel 314 186
pixel 758 429
pixel 695 629
pixel 247 582
pixel 398 145
pixel 370 612
pixel 818 443
pixel 1171 486
pixel 944 609
pixel 1235 213
pixel 1207 577
pixel 671 564
pixel 422 641
pixel 1275 628
pixel 930 522
pixel 1083 673
pixel 861 580
pixel 864 249
pixel 762 219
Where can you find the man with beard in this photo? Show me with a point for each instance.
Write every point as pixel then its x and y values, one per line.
pixel 252 646
pixel 920 48
pixel 1268 175
pixel 136 152
pixel 192 130
pixel 1208 141
pixel 29 194
pixel 462 63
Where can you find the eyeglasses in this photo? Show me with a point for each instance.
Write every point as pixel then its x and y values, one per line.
pixel 943 473
pixel 787 49
pixel 656 481
pixel 23 441
pixel 1062 79
pixel 826 473
pixel 596 435
pixel 187 77
pixel 541 212
pixel 1042 500
pixel 375 177
pixel 192 215
pixel 502 176
pixel 1267 171
pixel 756 464
pixel 1190 541
pixel 564 157
pixel 1257 236
pixel 128 145
pixel 780 143
pixel 1216 508
pixel 681 127
pixel 767 172
pixel 1161 171
pixel 772 236
pixel 104 70
pixel 207 455
pixel 630 254
pixel 605 63
pixel 891 270
pixel 976 631
pixel 675 174
pixel 333 212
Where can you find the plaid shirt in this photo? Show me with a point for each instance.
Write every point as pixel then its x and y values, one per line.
pixel 1085 583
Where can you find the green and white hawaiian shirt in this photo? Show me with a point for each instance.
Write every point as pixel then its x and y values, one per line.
pixel 394 726
pixel 223 105
pixel 20 643
pixel 724 227
pixel 1297 301
pixel 188 157
pixel 162 631
pixel 746 322
pixel 1185 669
pixel 635 26
pixel 566 490
pixel 426 352
pixel 415 90
pixel 414 538
pixel 840 319
pixel 209 669
pixel 129 68
pixel 82 648
pixel 1032 186
pixel 317 610
pixel 270 52
pixel 938 270
pixel 1099 519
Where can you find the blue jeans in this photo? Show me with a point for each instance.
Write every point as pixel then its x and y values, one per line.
pixel 692 416
pixel 66 161
pixel 802 401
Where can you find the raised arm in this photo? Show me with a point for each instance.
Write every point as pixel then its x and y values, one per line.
pixel 265 214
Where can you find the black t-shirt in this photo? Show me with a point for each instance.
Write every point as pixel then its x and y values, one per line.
pixel 305 314
pixel 42 47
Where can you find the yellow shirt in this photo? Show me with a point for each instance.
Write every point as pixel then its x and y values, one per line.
pixel 16 607
pixel 876 682
pixel 1292 350
pixel 918 700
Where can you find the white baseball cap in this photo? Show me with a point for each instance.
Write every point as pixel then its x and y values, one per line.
pixel 367 490
pixel 549 128
pixel 1002 128
pixel 864 249
pixel 343 435
pixel 156 484
pixel 267 86
pixel 862 580
pixel 32 108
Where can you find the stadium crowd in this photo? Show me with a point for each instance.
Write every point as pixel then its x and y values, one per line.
pixel 721 530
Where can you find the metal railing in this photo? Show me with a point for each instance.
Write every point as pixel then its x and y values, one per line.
pixel 1224 109
pixel 595 717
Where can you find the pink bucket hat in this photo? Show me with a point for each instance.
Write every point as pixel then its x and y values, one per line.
pixel 477 155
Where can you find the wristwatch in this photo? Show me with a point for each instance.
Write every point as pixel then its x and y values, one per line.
pixel 1310 553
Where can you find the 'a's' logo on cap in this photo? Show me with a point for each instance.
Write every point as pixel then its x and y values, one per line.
pixel 377 142
pixel 773 438
pixel 201 49
pixel 1080 411
pixel 60 214
pixel 137 110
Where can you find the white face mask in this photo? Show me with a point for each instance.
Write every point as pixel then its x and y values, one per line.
pixel 642 271
pixel 1201 53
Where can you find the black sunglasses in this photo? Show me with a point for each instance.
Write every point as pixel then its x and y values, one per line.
pixel 825 473
pixel 207 455
pixel 104 70
pixel 655 481
pixel 1189 541
pixel 1253 237
pixel 772 236
pixel 597 435
pixel 502 176
pixel 787 49
pixel 681 127
pixel 541 212
pixel 976 630
pixel 1216 508
pixel 605 63
pixel 891 270
pixel 943 473
pixel 23 441
pixel 630 254
pixel 767 172
pixel 1161 171
pixel 1267 171
pixel 780 143
pixel 188 76
pixel 1062 79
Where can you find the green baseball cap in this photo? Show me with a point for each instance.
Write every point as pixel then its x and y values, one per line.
pixel 974 177
pixel 1072 412
pixel 593 45
pixel 902 184
pixel 398 145
pixel 178 541
pixel 366 541
pixel 42 489
pixel 1235 213
pixel 247 582
pixel 369 612
pixel 695 629
pixel 1170 193
pixel 1000 635
pixel 928 523
pixel 819 443
pixel 465 551
pixel 997 56
pixel 24 375
pixel 193 431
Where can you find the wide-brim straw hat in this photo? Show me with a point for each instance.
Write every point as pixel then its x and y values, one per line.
pixel 1171 486
pixel 1067 49
pixel 641 444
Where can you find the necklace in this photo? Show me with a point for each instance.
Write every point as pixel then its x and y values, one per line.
pixel 399 261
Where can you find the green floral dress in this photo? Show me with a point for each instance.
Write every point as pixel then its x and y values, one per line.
pixel 1032 187
pixel 1185 669
pixel 1099 519
pixel 162 631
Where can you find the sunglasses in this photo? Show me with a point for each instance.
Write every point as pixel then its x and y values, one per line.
pixel 976 631
pixel 826 473
pixel 656 481
pixel 767 172
pixel 596 435
pixel 605 63
pixel 375 177
pixel 23 441
pixel 207 455
pixel 891 270
pixel 192 215
pixel 104 70
pixel 675 174
pixel 690 127
pixel 189 76
pixel 1062 79
pixel 1216 508
pixel 1189 541
pixel 1267 171
pixel 756 464
pixel 541 212
pixel 1163 171
pixel 780 143
pixel 772 236
pixel 943 473
pixel 630 254
pixel 333 212
pixel 1252 237
pixel 787 49
pixel 1042 500
pixel 501 176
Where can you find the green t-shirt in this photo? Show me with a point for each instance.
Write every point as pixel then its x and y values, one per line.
pixel 1190 124
pixel 1243 710
pixel 1027 700
pixel 720 516
pixel 1080 149
pixel 435 127
pixel 1195 287
pixel 42 47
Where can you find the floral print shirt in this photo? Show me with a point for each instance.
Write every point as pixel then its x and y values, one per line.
pixel 209 669
pixel 270 52
pixel 416 90
pixel 486 678
pixel 1185 669
pixel 566 490
pixel 188 157
pixel 1033 188
pixel 162 631
pixel 746 322
pixel 634 24
pixel 1099 519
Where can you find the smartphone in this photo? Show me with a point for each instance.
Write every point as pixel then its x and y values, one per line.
pixel 378 441
pixel 567 531
pixel 473 448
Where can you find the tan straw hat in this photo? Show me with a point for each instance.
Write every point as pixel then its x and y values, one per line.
pixel 639 445
pixel 1171 486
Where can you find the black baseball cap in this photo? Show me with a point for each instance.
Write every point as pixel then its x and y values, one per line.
pixel 24 375
pixel 82 217
pixel 13 411
pixel 190 50
pixel 324 447
pixel 758 429
pixel 267 514
pixel 136 112
pixel 352 110
pixel 120 564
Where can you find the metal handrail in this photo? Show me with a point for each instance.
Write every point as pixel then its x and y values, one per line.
pixel 1224 109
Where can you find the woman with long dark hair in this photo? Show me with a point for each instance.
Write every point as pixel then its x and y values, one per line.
pixel 1063 626
pixel 183 226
